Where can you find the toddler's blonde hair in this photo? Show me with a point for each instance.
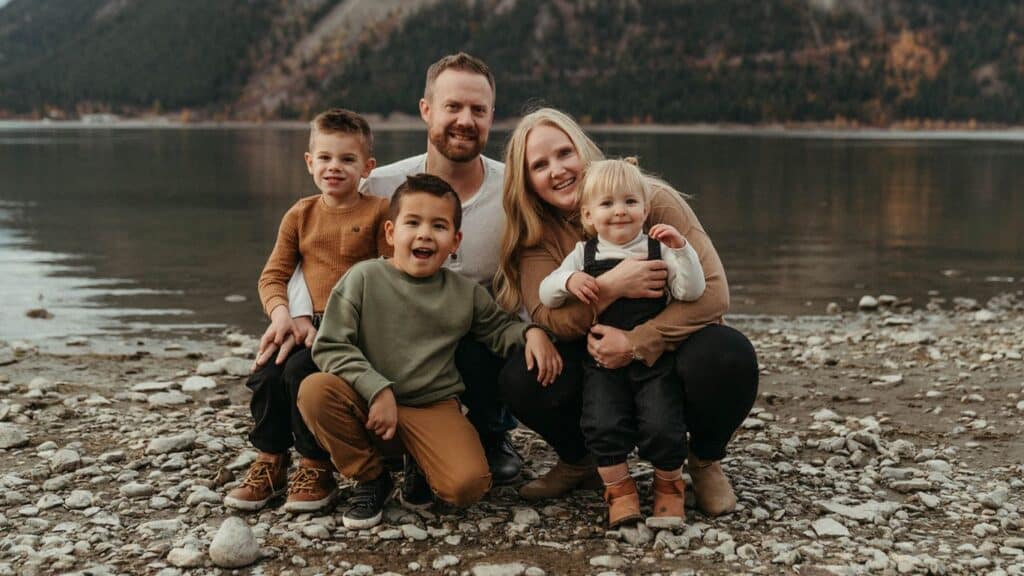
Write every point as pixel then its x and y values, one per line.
pixel 612 174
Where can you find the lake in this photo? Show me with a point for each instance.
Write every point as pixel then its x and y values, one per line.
pixel 147 230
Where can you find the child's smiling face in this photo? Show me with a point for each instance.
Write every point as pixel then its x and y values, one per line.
pixel 423 233
pixel 337 162
pixel 617 215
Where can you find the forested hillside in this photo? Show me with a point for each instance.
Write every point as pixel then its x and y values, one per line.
pixel 870 61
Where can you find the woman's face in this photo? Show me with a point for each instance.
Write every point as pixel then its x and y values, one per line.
pixel 553 167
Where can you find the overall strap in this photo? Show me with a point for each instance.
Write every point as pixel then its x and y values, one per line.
pixel 589 252
pixel 653 249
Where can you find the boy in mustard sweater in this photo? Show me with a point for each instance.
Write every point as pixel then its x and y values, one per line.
pixel 387 348
pixel 328 233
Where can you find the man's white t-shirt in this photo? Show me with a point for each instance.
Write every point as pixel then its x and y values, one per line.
pixel 483 222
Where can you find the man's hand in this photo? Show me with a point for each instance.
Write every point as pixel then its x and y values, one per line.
pixel 307 332
pixel 540 352
pixel 609 346
pixel 383 418
pixel 668 235
pixel 583 286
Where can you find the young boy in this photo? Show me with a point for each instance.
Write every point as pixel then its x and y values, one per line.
pixel 328 233
pixel 387 347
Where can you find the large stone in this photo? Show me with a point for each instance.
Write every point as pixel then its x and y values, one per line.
pixel 136 490
pixel 172 398
pixel 12 436
pixel 867 303
pixel 197 383
pixel 525 516
pixel 152 386
pixel 185 557
pixel 234 545
pixel 65 460
pixel 829 528
pixel 865 512
pixel 234 366
pixel 7 356
pixel 511 569
pixel 166 444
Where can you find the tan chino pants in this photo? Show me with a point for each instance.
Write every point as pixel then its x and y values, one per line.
pixel 438 436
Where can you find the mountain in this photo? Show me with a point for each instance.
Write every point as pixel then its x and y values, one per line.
pixel 751 61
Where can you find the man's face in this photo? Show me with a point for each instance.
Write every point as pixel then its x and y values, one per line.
pixel 459 114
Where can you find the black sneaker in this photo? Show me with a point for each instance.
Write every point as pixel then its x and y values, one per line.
pixel 367 502
pixel 416 492
pixel 503 460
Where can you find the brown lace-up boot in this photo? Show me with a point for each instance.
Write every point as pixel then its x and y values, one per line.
pixel 623 502
pixel 266 478
pixel 562 479
pixel 311 487
pixel 711 488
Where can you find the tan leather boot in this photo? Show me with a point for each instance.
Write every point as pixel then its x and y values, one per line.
pixel 562 479
pixel 623 503
pixel 669 502
pixel 711 488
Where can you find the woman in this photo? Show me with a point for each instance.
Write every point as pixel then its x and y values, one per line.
pixel 716 365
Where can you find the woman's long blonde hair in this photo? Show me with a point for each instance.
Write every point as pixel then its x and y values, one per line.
pixel 525 213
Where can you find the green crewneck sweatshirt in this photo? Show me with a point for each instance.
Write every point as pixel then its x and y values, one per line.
pixel 384 328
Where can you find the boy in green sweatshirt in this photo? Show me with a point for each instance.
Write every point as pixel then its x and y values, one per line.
pixel 386 347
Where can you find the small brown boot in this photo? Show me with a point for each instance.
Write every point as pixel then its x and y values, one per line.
pixel 312 487
pixel 623 503
pixel 562 479
pixel 711 488
pixel 266 478
pixel 669 502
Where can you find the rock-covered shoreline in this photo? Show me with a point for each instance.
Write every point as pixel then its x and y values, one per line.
pixel 883 441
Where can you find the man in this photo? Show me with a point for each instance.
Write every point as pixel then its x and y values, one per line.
pixel 458 109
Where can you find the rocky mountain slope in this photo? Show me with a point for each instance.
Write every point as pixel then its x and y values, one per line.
pixel 621 60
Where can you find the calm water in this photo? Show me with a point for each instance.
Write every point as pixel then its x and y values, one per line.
pixel 135 230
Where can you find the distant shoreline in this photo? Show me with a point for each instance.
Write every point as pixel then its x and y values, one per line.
pixel 412 124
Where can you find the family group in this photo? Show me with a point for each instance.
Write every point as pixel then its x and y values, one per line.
pixel 422 310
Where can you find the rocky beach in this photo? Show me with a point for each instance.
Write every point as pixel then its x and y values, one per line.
pixel 885 440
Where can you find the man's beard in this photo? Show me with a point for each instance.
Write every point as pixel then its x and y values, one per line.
pixel 457 151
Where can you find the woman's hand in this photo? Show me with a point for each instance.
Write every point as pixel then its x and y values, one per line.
pixel 609 346
pixel 633 278
pixel 540 352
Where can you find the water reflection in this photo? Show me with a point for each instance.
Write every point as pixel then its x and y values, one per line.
pixel 118 227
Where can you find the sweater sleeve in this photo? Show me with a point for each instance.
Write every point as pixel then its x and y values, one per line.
pixel 569 322
pixel 685 275
pixel 336 347
pixel 273 284
pixel 552 291
pixel 492 326
pixel 383 248
pixel 680 319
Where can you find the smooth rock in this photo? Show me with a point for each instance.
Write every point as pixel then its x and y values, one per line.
pixel 608 561
pixel 65 460
pixel 12 436
pixel 168 444
pixel 867 302
pixel 78 500
pixel 525 516
pixel 446 561
pixel 172 398
pixel 152 386
pixel 197 383
pixel 185 557
pixel 234 545
pixel 827 527
pixel 511 569
pixel 136 490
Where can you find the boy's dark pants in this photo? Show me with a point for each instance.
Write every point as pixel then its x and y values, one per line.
pixel 634 406
pixel 277 424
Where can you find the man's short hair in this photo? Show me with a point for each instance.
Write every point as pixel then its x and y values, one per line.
pixel 341 121
pixel 459 61
pixel 429 184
